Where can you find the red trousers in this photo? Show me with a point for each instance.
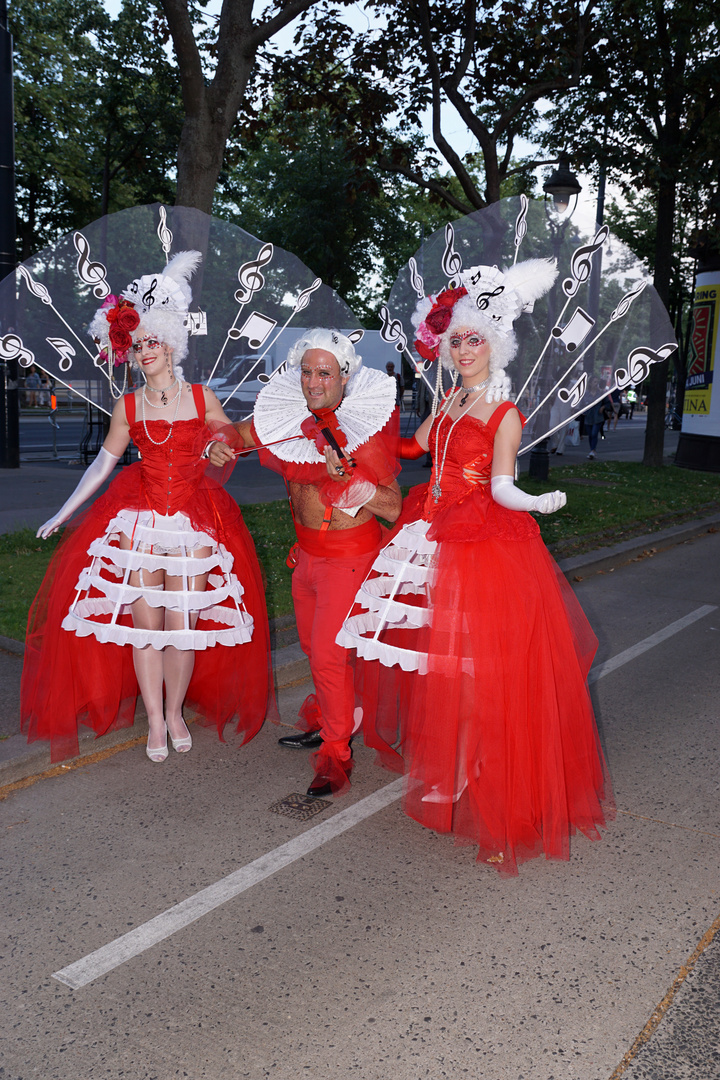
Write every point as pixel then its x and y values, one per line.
pixel 323 592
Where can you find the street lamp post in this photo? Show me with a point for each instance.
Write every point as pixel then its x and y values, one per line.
pixel 564 189
pixel 9 405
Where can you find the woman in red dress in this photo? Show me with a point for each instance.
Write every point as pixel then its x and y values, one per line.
pixel 466 627
pixel 157 584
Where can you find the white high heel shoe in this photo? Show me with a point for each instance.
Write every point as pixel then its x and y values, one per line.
pixel 181 746
pixel 436 796
pixel 157 753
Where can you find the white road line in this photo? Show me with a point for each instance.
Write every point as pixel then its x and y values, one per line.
pixel 188 911
pixel 175 918
pixel 625 657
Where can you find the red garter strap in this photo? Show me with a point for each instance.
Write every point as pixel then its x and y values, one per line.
pixel 340 543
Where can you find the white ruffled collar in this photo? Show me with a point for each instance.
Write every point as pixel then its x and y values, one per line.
pixel 280 409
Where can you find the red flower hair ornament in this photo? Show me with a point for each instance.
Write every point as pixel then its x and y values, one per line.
pixel 123 319
pixel 436 322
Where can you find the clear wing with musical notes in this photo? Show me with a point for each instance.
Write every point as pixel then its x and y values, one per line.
pixel 600 327
pixel 250 302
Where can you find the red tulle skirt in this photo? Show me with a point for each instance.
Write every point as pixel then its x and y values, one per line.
pixel 472 676
pixel 87 677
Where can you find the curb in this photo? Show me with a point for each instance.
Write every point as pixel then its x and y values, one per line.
pixel 20 761
pixel 594 562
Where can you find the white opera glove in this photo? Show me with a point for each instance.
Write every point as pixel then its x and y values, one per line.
pixel 351 497
pixel 94 476
pixel 506 494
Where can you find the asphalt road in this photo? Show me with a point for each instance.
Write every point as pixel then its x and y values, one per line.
pixel 358 944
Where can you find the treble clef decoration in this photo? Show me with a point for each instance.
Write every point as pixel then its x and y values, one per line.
pixel 12 348
pixel 148 297
pixel 391 330
pixel 484 298
pixel 624 305
pixel 250 276
pixel 576 393
pixel 164 234
pixel 90 273
pixel 451 261
pixel 639 363
pixel 416 279
pixel 304 298
pixel 581 262
pixel 35 287
pixel 521 224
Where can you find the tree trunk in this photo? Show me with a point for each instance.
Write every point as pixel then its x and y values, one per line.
pixel 655 431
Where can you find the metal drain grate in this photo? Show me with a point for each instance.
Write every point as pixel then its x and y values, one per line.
pixel 300 807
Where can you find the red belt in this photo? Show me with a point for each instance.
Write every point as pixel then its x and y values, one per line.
pixel 340 543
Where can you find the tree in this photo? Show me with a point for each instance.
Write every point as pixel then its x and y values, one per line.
pixel 647 109
pixel 295 180
pixel 495 63
pixel 96 115
pixel 211 105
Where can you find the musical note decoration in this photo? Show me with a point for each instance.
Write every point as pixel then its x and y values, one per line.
pixel 263 377
pixel 575 331
pixel 356 335
pixel 250 275
pixel 256 329
pixel 576 393
pixel 65 351
pixel 196 322
pixel 90 273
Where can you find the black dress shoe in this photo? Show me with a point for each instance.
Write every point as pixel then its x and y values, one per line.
pixel 320 788
pixel 304 740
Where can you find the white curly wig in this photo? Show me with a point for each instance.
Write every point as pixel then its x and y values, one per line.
pixel 331 341
pixel 493 302
pixel 162 302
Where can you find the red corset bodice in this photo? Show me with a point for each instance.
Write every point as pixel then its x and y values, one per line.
pixel 170 472
pixel 462 459
pixel 462 468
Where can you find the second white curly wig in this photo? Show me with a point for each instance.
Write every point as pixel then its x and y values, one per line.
pixel 331 341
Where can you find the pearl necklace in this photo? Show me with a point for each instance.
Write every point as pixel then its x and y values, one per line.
pixel 177 410
pixel 436 489
pixel 164 401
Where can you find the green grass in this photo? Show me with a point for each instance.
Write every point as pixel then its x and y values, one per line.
pixel 623 500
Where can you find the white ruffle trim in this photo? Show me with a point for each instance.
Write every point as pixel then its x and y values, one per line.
pixel 153 538
pixel 158 639
pixel 366 407
pixel 405 567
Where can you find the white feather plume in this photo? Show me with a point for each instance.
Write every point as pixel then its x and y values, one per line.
pixel 181 268
pixel 531 279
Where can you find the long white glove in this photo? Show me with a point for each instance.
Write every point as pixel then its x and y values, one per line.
pixel 94 476
pixel 505 493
